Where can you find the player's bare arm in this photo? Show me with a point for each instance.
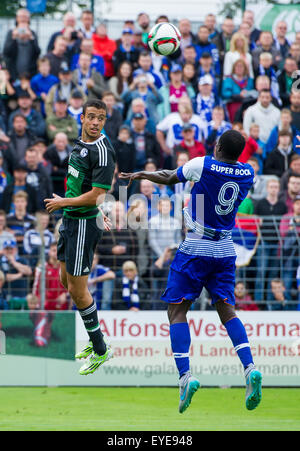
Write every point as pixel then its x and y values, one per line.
pixel 163 177
pixel 87 199
pixel 84 200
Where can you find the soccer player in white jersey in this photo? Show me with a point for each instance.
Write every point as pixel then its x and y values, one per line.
pixel 206 258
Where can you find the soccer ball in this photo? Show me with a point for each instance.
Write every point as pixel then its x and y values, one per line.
pixel 164 38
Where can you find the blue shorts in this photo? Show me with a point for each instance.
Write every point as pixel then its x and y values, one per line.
pixel 190 273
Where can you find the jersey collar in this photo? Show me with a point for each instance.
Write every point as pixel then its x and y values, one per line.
pixel 102 136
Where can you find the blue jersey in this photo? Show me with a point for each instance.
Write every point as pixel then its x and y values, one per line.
pixel 96 289
pixel 219 188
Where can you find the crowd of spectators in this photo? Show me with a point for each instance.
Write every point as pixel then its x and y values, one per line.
pixel 162 112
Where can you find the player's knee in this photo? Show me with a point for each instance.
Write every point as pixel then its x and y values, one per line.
pixel 78 296
pixel 64 280
pixel 177 313
pixel 226 311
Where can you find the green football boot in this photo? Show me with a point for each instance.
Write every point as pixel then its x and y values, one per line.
pixel 88 350
pixel 95 361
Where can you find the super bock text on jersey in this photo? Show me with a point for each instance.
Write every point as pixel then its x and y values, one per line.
pixel 90 165
pixel 206 258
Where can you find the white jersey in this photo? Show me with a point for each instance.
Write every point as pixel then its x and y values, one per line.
pixel 172 126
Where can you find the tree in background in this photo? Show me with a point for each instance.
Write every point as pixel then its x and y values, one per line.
pixel 8 8
pixel 231 8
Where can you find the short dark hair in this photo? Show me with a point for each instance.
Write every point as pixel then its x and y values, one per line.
pixel 19 115
pixel 231 144
pixel 277 280
pixel 108 93
pixel 31 149
pixel 293 174
pixel 162 16
pixel 206 56
pixel 42 212
pixel 142 14
pixel 190 46
pixel 99 104
pixel 43 59
pixel 144 53
pixel 285 132
pixel 265 90
pixel 295 157
pixel 87 11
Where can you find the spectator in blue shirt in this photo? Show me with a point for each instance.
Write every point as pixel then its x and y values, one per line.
pixel 216 127
pixel 75 107
pixel 3 301
pixel 101 284
pixel 4 177
pixel 43 81
pixel 205 45
pixel 23 85
pixel 126 51
pixel 20 221
pixel 131 289
pixel 97 62
pixel 35 121
pixel 145 68
pixel 17 272
pixel 285 123
pixel 33 240
pixel 279 298
pixel 205 100
pixel 206 67
pixel 144 89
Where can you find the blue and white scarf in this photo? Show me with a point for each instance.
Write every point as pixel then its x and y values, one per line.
pixel 274 82
pixel 213 73
pixel 130 296
pixel 222 129
pixel 82 79
pixel 204 107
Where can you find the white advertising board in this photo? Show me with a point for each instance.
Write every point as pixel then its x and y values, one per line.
pixel 143 356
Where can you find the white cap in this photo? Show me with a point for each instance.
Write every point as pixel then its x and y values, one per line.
pixel 206 80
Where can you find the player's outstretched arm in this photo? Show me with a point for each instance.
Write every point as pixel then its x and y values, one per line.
pixel 163 177
pixel 91 198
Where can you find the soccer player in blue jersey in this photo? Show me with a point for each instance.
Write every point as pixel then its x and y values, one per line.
pixel 206 258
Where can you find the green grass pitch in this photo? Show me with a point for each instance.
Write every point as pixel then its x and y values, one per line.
pixel 144 409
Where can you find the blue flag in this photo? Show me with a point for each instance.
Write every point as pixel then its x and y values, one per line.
pixel 36 6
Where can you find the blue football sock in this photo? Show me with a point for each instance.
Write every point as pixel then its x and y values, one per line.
pixel 180 342
pixel 238 336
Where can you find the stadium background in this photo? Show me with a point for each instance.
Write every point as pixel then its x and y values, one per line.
pixel 35 338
